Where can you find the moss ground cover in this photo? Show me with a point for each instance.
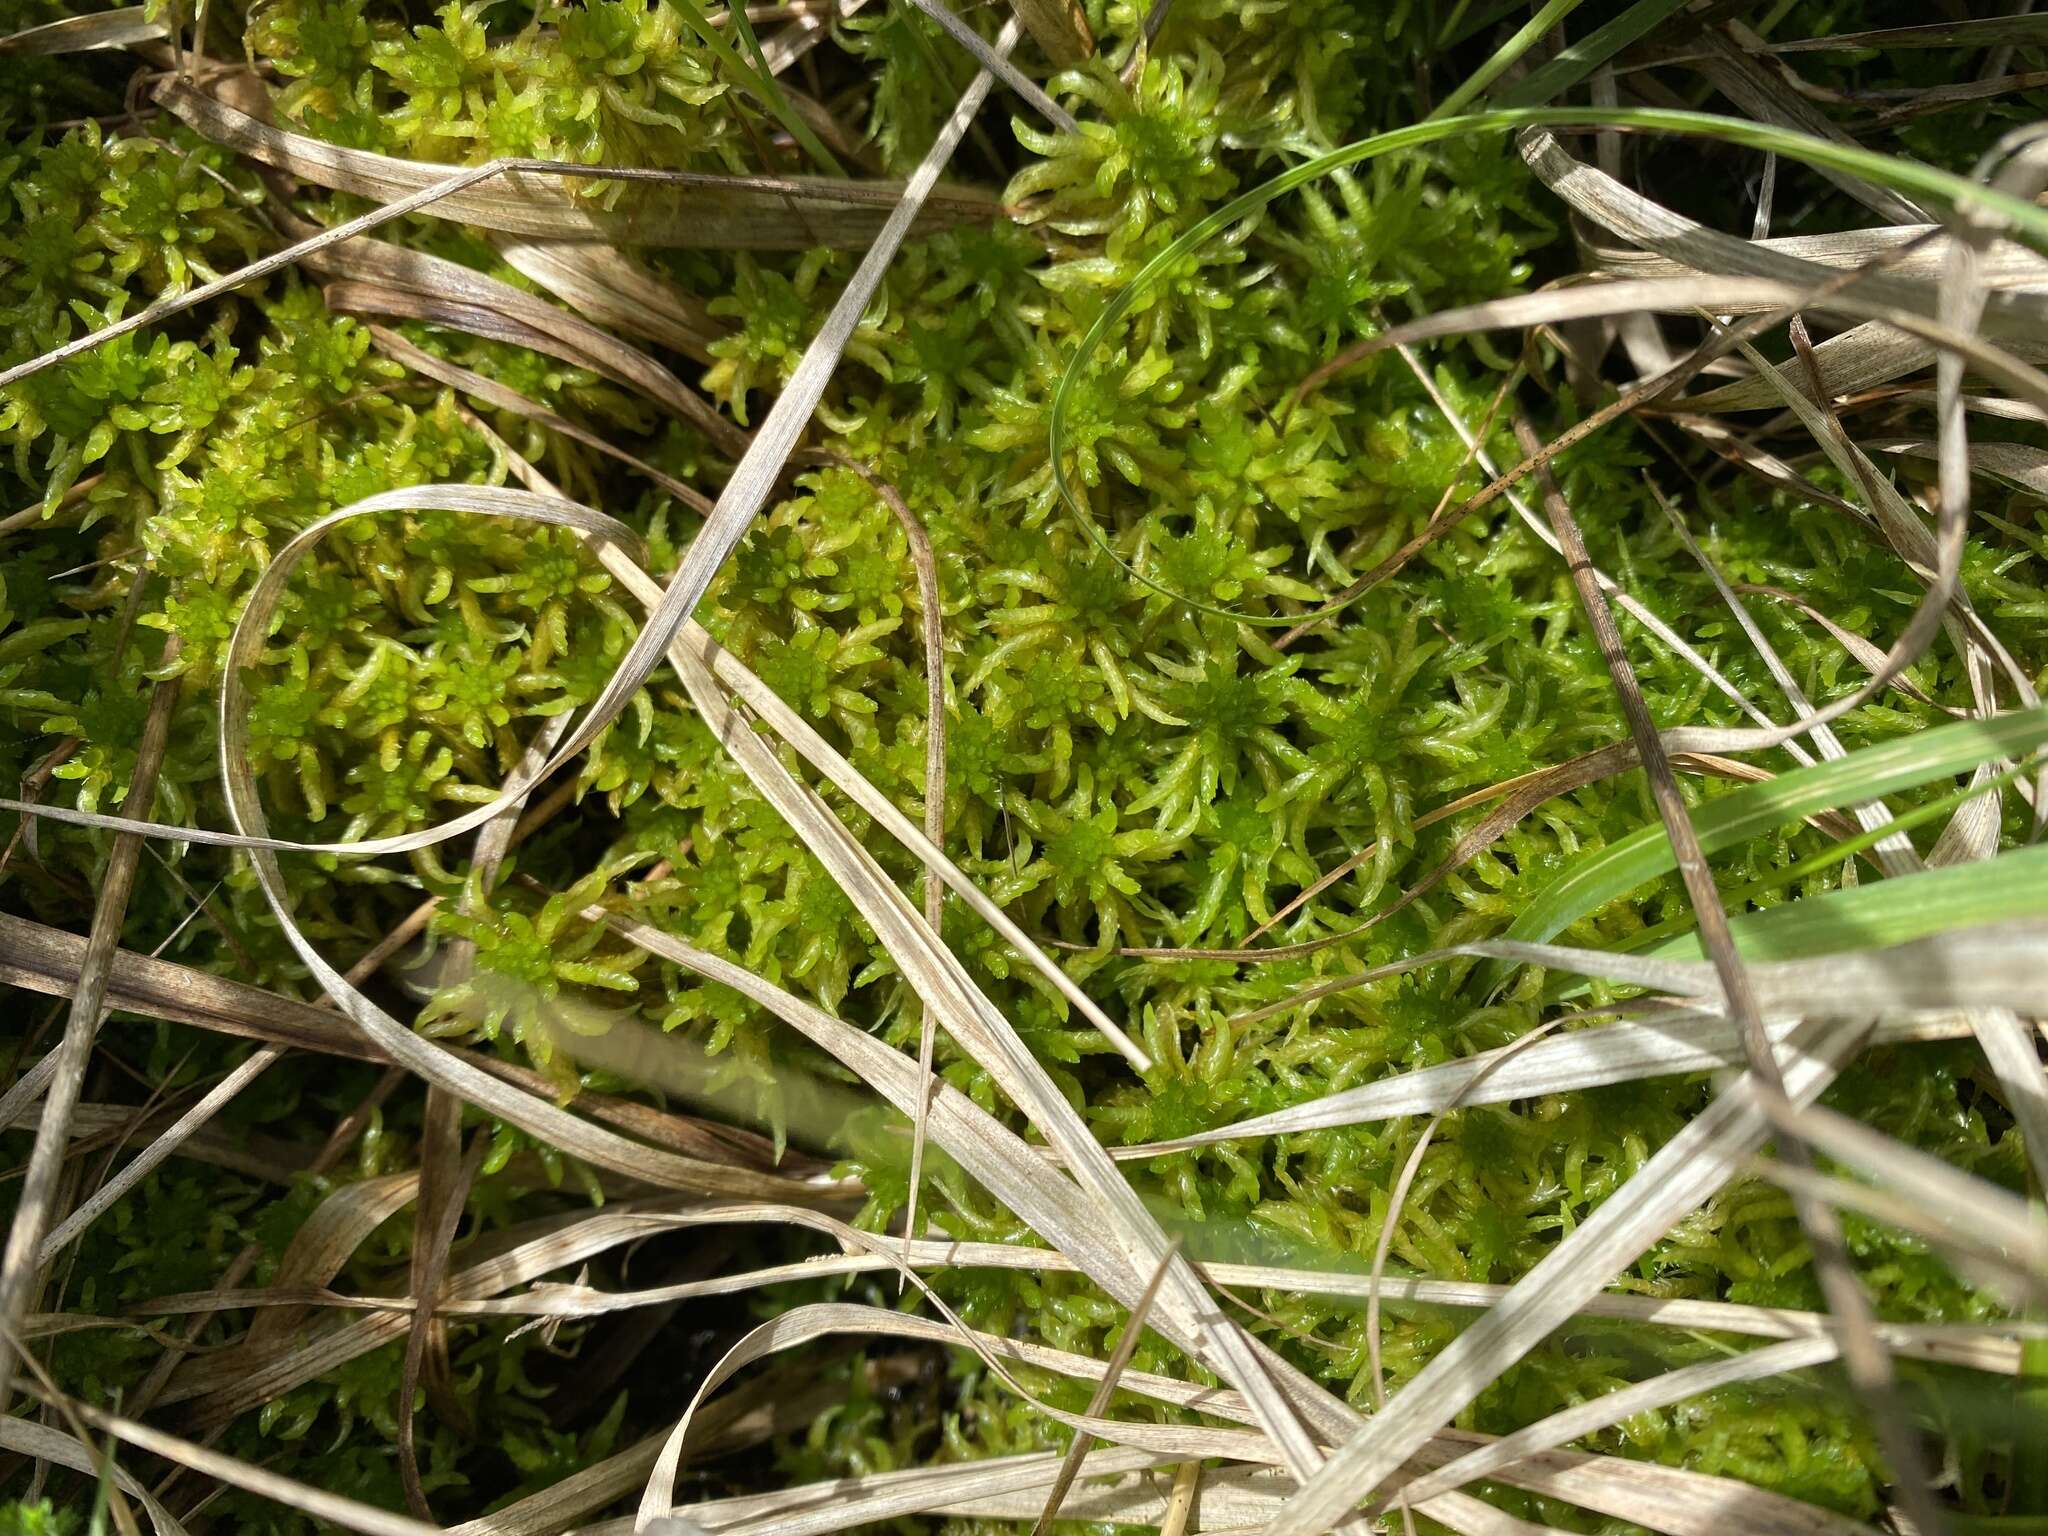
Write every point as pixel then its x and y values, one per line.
pixel 1131 778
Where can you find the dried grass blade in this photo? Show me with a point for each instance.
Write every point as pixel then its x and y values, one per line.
pixel 1854 360
pixel 1000 66
pixel 320 1249
pixel 1990 1347
pixel 223 1385
pixel 1663 1044
pixel 1885 276
pixel 1612 1407
pixel 1058 27
pixel 1180 1500
pixel 390 279
pixel 15 1104
pixel 1915 251
pixel 1895 851
pixel 800 1325
pixel 1967 1207
pixel 445 1178
pixel 1242 1500
pixel 787 723
pixel 608 287
pixel 1690 858
pixel 666 208
pixel 805 31
pixel 2020 464
pixel 25 1437
pixel 47 960
pixel 778 1402
pixel 491 392
pixel 1980 32
pixel 21 1265
pixel 1867 655
pixel 321 1505
pixel 161 1147
pixel 1105 1392
pixel 2013 1283
pixel 1682 1173
pixel 339 1140
pixel 122 28
pixel 1735 73
pixel 931 625
pixel 819 1509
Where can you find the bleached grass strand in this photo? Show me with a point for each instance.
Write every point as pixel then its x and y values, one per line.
pixel 1611 1408
pixel 331 1508
pixel 999 65
pixel 25 1437
pixel 161 1146
pixel 1684 1172
pixel 1989 1346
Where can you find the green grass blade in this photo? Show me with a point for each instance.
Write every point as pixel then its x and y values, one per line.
pixel 1528 37
pixel 1835 854
pixel 1577 60
pixel 1645 854
pixel 759 83
pixel 2013 885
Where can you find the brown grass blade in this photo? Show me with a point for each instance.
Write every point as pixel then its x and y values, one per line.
pixel 48 960
pixel 27 1438
pixel 1863 1352
pixel 1729 62
pixel 491 392
pixel 1058 27
pixel 160 1147
pixel 667 208
pixel 383 278
pixel 609 288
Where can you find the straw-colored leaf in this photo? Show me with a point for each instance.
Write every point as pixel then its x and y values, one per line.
pixel 609 288
pixel 123 27
pixel 755 213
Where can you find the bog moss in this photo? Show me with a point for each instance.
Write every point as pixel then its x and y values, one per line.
pixel 1121 771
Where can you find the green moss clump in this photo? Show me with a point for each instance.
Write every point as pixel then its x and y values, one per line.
pixel 1122 771
pixel 19 1517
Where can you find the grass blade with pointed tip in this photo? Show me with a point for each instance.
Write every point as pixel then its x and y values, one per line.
pixel 1644 855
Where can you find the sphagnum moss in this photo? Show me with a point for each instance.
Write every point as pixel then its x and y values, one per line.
pixel 1121 771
